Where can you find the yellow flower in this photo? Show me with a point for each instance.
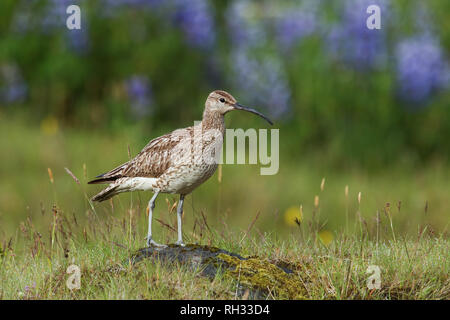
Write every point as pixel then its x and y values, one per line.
pixel 49 126
pixel 326 237
pixel 293 214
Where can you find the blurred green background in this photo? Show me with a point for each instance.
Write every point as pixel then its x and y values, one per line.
pixel 367 109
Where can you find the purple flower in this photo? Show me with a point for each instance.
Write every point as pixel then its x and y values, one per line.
pixel 55 15
pixel 296 23
pixel 259 79
pixel 55 19
pixel 244 29
pixel 193 17
pixel 140 94
pixel 78 40
pixel 263 82
pixel 351 42
pixel 421 67
pixel 196 21
pixel 12 86
pixel 111 6
pixel 30 288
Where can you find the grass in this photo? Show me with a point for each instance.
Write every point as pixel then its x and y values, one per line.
pixel 36 269
pixel 396 220
pixel 30 150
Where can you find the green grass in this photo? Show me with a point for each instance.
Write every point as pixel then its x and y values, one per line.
pixel 46 226
pixel 28 151
pixel 36 269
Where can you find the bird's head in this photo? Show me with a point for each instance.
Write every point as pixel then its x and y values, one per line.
pixel 223 102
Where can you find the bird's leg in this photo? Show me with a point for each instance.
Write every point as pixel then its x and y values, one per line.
pixel 151 206
pixel 179 215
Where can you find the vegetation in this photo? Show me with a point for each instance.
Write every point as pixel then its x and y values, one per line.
pixel 112 73
pixel 364 157
pixel 411 268
pixel 329 242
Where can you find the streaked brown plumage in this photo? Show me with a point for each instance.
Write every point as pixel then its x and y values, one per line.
pixel 177 162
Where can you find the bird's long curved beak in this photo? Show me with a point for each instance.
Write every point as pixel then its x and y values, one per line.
pixel 238 106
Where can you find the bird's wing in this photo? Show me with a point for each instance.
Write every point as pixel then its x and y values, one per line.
pixel 152 161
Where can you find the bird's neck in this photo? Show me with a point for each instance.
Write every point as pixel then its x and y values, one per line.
pixel 213 120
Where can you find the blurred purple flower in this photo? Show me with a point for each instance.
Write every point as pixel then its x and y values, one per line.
pixel 12 86
pixel 352 42
pixel 193 17
pixel 55 19
pixel 296 23
pixel 78 40
pixel 421 67
pixel 196 20
pixel 140 94
pixel 22 21
pixel 244 29
pixel 111 6
pixel 55 16
pixel 146 3
pixel 30 288
pixel 263 82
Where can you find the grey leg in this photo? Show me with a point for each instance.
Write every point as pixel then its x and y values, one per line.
pixel 179 215
pixel 151 206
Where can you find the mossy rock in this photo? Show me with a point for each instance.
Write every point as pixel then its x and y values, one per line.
pixel 262 278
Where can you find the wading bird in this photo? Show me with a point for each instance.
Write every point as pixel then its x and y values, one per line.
pixel 177 162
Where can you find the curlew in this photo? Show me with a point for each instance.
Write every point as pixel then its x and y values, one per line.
pixel 177 162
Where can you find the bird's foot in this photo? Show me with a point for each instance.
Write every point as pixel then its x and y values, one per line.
pixel 151 242
pixel 180 243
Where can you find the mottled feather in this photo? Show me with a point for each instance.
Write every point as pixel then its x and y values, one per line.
pixel 151 162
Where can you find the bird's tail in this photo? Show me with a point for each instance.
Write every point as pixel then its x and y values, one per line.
pixel 106 194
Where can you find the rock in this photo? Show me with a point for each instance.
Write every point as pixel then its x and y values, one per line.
pixel 259 276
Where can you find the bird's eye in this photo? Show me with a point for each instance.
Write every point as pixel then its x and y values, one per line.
pixel 222 100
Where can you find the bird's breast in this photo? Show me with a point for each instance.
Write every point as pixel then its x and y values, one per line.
pixel 183 179
pixel 193 163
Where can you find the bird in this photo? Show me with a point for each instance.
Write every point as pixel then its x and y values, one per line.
pixel 177 162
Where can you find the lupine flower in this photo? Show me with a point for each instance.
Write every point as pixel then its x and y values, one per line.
pixel 55 19
pixel 196 21
pixel 12 86
pixel 352 42
pixel 421 67
pixel 140 95
pixel 261 81
pixel 78 39
pixel 22 21
pixel 112 7
pixel 55 16
pixel 243 27
pixel 296 23
pixel 193 17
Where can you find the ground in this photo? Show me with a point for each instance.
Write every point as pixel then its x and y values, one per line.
pixel 409 268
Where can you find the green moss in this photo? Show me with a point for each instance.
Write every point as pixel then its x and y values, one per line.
pixel 262 275
pixel 263 278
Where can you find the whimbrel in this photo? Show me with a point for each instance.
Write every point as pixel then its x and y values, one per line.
pixel 177 162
